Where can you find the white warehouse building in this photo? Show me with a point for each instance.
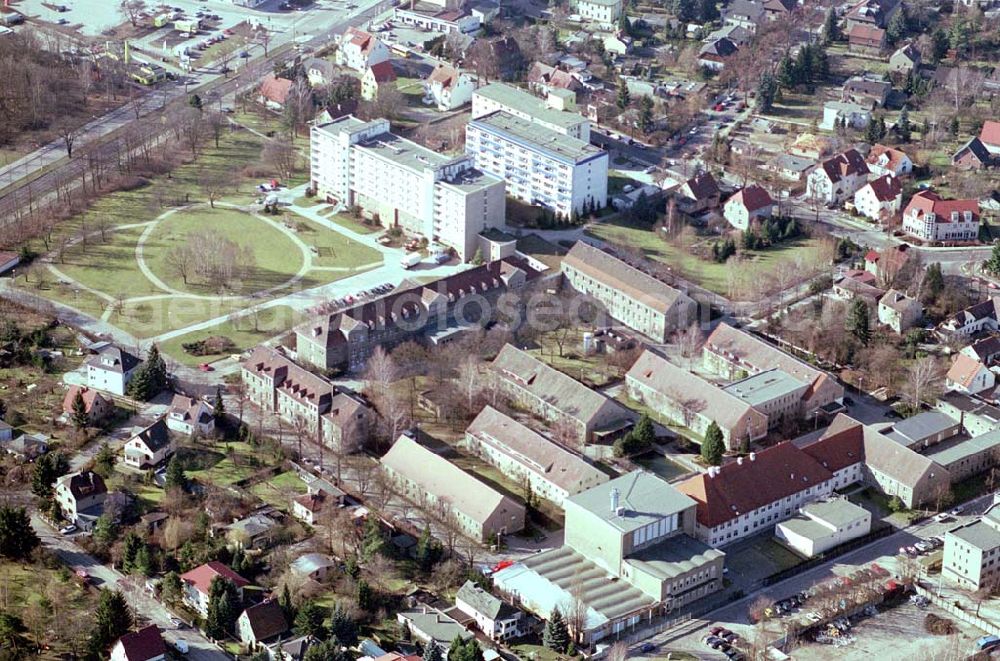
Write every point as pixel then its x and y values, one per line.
pixel 541 167
pixel 445 199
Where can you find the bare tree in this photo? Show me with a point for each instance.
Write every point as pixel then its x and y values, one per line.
pixel 180 261
pixel 279 155
pixel 68 135
pixel 689 342
pixel 214 182
pixel 133 10
pixel 217 122
pixel 380 372
pixel 923 380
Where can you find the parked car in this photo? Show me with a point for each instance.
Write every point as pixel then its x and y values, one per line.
pixel 646 648
pixel 205 367
pixel 942 517
pixel 956 511
pixel 67 530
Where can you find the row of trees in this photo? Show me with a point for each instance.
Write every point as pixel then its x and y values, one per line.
pixel 214 259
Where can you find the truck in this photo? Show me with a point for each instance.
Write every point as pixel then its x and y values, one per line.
pixel 162 19
pixel 410 260
pixel 190 26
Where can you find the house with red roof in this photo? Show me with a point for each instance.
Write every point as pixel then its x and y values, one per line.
pixel 866 39
pixel 969 375
pixel 274 91
pixel 838 178
pixel 375 78
pixel 197 584
pixel 97 406
pixel 146 644
pixel 888 160
pixel 359 50
pixel 931 217
pixel 880 199
pixel 990 136
pixel 888 263
pixel 746 205
pixel 448 87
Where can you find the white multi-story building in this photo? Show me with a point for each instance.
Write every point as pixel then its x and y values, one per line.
pixel 932 218
pixel 541 167
pixel 359 50
pixel 838 178
pixel 499 96
pixel 602 11
pixel 880 199
pixel 972 552
pixel 403 184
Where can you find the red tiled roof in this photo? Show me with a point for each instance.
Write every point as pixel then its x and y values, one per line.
pixel 275 89
pixel 201 577
pixel 702 186
pixel 964 370
pixel 383 72
pixel 763 478
pixel 894 156
pixel 840 446
pixel 445 74
pixel 886 187
pixel 144 644
pixel 845 164
pixel 89 397
pixel 753 197
pixel 866 34
pixel 871 256
pixel 928 201
pixel 990 135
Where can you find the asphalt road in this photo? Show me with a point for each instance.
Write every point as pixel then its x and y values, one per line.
pixel 201 649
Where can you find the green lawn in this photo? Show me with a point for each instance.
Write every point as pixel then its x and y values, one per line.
pixel 270 322
pixel 110 266
pixel 412 88
pixel 280 489
pixel 334 249
pixel 354 225
pixel 225 468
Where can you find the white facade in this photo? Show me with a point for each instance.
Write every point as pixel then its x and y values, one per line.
pixel 899 311
pixel 868 204
pixel 450 89
pixel 829 191
pixel 445 22
pixel 443 199
pixel 541 167
pixel 602 11
pixel 515 101
pixel 972 552
pixel 856 116
pixel 815 532
pixel 740 217
pixel 960 227
pixel 359 50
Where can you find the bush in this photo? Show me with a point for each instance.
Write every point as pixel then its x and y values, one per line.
pixel 939 626
pixel 210 346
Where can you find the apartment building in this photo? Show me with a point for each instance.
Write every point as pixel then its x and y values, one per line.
pixel 402 184
pixel 685 398
pixel 551 395
pixel 492 97
pixel 736 353
pixel 602 11
pixel 972 552
pixel 345 339
pixel 428 479
pixel 526 457
pixel 541 167
pixel 640 301
pixel 629 555
pixel 756 492
pixel 930 217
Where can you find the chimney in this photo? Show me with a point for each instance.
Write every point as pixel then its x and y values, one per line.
pixel 614 499
pixel 753 456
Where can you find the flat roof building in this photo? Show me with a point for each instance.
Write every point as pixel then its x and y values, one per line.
pixel 823 525
pixel 501 96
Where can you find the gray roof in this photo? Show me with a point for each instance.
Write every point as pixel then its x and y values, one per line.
pixel 837 511
pixel 483 602
pixel 921 426
pixel 155 437
pixel 763 387
pixel 644 497
pixel 388 146
pixel 310 562
pixel 113 359
pixel 953 451
pixel 978 534
pixel 674 556
pixel 437 625
pixel 535 136
pixel 253 525
pixel 898 461
pixel 803 526
pixel 526 102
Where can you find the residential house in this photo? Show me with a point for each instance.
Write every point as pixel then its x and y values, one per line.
pixel 606 12
pixel 839 113
pixel 618 43
pixel 736 353
pixel 629 555
pixel 880 199
pixel 753 493
pixel 480 511
pixel 320 495
pixel 888 160
pixel 715 54
pixel 426 624
pixel 899 311
pixel 744 13
pixel 989 135
pixel 150 446
pixel 111 369
pixel 888 263
pixel 748 204
pixel 857 284
pixel 293 649
pixel 526 457
pixel 493 616
pixel 930 217
pixel 543 78
pixel 256 531
pixel 697 194
pixel 812 146
pixel 586 414
pixel 823 525
pixel 866 39
pixel 190 416
pixel 197 584
pixel 638 300
pixel 876 13
pixel 376 77
pixel 448 87
pixel 866 90
pixel 779 10
pixel 969 375
pixel 973 155
pixel 275 383
pixel 973 319
pixel 27 447
pixel 261 624
pixel 977 417
pixel 97 406
pixel 971 556
pixel 319 72
pixel 274 91
pixel 80 497
pixel 789 167
pixel 347 424
pixel 313 566
pixel 904 60
pixel 683 397
pixel 8 260
pixel 838 178
pixel 146 644
pixel 359 50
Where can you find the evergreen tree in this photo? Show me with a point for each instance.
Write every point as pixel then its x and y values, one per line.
pixel 992 265
pixel 12 639
pixel 373 541
pixel 714 446
pixel 106 530
pixel 17 537
pixel 934 282
pixel 955 126
pixel 309 620
pixel 174 477
pixel 157 369
pixel 195 101
pixel 112 620
pixel 79 416
pixel 223 608
pixel 624 97
pixel 218 407
pixel 285 601
pixel 48 468
pixel 432 652
pixel 787 72
pixel 427 551
pixel 144 561
pixel 131 544
pixel 831 27
pixel 342 627
pixel 766 91
pixel 646 114
pixel 709 10
pixel 644 433
pixel 898 27
pixel 464 650
pixel 367 599
pixel 328 650
pixel 624 26
pixel 858 322
pixel 170 587
pixel 903 126
pixel 556 634
pixel 939 45
pixel 104 461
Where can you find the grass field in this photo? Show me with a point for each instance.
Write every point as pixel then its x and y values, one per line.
pixel 225 467
pixel 334 250
pixel 270 322
pixel 711 275
pixel 280 489
pixel 354 225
